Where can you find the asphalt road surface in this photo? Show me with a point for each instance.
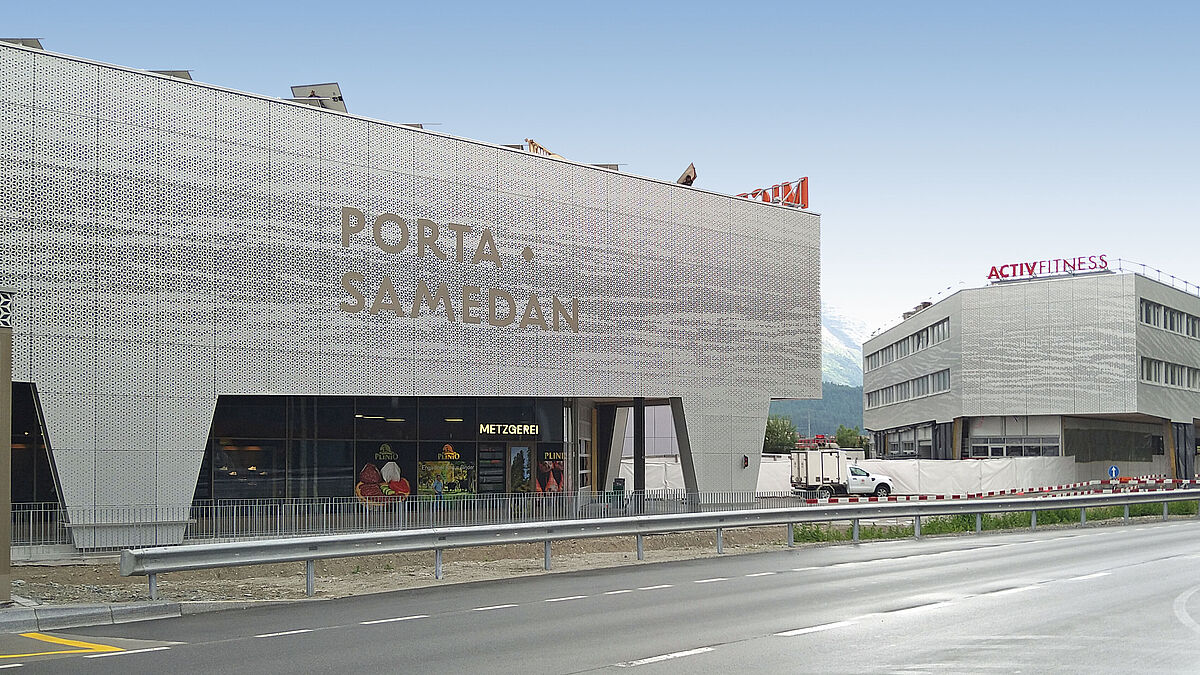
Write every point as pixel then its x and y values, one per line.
pixel 1096 600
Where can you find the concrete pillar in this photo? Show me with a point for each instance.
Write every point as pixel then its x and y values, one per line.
pixel 6 324
pixel 639 444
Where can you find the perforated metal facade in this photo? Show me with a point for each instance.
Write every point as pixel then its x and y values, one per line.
pixel 1062 346
pixel 172 241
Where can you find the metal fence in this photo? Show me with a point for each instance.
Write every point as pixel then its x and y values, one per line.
pixel 49 524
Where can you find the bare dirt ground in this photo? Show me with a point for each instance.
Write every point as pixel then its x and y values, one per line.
pixel 100 582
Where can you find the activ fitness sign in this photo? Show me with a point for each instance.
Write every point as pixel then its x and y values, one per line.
pixel 1040 268
pixel 470 304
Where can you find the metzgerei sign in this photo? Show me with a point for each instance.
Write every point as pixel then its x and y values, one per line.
pixel 1039 268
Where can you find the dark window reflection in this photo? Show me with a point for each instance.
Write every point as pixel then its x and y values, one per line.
pixel 314 446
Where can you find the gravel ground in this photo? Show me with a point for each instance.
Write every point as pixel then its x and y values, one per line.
pixel 100 582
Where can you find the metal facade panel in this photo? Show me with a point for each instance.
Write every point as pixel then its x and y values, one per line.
pixel 187 243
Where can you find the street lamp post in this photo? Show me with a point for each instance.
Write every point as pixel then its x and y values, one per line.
pixel 6 324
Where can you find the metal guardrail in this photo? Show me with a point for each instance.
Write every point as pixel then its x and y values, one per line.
pixel 41 524
pixel 154 561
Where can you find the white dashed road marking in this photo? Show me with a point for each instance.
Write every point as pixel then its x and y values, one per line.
pixel 131 651
pixel 399 618
pixel 709 581
pixel 569 597
pixel 664 657
pixel 1085 577
pixel 286 632
pixel 760 574
pixel 624 590
pixel 815 629
pixel 484 609
pixel 655 588
pixel 1018 589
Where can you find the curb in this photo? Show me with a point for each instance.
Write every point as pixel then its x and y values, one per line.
pixel 57 617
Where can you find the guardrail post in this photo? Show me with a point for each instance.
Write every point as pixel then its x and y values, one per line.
pixel 917 526
pixel 437 563
pixel 546 561
pixel 720 540
pixel 856 529
pixel 641 548
pixel 1126 514
pixel 1164 511
pixel 1083 516
pixel 1033 520
pixel 153 579
pixel 792 534
pixel 978 523
pixel 310 577
pixel 1198 509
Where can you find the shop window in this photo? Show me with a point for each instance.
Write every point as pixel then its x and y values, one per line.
pixel 251 417
pixel 248 468
pixel 391 418
pixel 32 477
pixel 448 419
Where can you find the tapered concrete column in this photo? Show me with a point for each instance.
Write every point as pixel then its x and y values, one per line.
pixel 6 324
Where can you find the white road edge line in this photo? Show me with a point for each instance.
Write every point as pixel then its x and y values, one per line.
pixel 664 657
pixel 11 665
pixel 1085 577
pixel 569 597
pixel 655 588
pixel 709 581
pixel 760 574
pixel 624 590
pixel 814 629
pixel 129 651
pixel 484 609
pixel 399 618
pixel 286 632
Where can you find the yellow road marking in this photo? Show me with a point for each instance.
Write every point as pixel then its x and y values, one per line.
pixel 82 647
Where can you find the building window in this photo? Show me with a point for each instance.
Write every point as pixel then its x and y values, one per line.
pixel 1174 320
pixel 1170 374
pixel 911 344
pixel 925 385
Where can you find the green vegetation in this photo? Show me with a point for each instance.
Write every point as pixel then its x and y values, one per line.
pixel 849 438
pixel 965 522
pixel 781 435
pixel 839 405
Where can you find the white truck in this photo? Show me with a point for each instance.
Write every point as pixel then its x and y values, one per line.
pixel 829 472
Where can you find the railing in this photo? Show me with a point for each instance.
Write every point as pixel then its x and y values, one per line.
pixel 1157 274
pixel 40 524
pixel 153 561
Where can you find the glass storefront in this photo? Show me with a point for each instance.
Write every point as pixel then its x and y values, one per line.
pixel 32 474
pixel 382 448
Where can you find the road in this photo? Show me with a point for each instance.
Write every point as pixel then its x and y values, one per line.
pixel 1107 599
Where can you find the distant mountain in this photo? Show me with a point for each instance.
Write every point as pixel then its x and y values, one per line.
pixel 842 337
pixel 839 405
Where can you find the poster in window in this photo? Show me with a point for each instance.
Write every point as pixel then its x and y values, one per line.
pixel 446 470
pixel 550 473
pixel 519 479
pixel 384 471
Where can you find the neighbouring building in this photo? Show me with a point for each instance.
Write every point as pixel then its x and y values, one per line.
pixel 224 296
pixel 1099 365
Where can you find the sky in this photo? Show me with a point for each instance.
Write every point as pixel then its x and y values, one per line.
pixel 940 138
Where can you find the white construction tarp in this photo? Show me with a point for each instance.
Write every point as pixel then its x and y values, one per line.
pixel 911 476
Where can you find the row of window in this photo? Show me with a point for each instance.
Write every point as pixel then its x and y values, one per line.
pixel 1014 446
pixel 926 385
pixel 1160 316
pixel 1170 374
pixel 922 339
